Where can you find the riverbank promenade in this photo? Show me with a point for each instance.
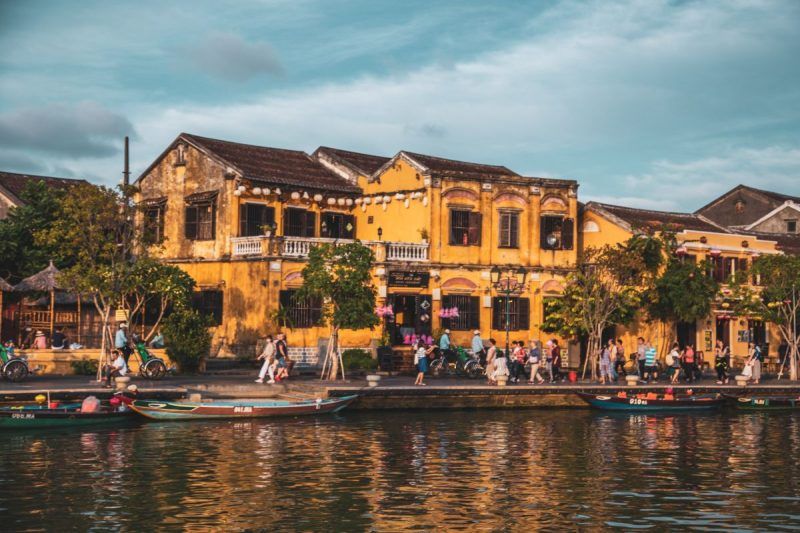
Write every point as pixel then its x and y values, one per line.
pixel 393 392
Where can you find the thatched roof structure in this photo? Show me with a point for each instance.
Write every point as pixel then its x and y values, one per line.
pixel 4 286
pixel 44 281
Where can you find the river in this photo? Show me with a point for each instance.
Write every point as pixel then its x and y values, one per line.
pixel 393 471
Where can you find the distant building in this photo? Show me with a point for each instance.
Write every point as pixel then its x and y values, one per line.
pixel 754 209
pixel 12 185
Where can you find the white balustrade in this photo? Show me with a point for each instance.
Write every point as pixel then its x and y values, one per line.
pixel 246 245
pixel 406 251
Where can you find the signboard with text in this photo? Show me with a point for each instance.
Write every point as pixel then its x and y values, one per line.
pixel 409 279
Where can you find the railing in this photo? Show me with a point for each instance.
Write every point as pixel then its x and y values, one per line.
pixel 41 318
pixel 247 245
pixel 404 251
pixel 301 246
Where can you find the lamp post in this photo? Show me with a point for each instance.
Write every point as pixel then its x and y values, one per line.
pixel 508 281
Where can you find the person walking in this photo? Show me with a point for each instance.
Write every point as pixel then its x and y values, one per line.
pixel 650 367
pixel 689 370
pixel 478 348
pixel 556 362
pixel 520 357
pixel 722 361
pixel 605 364
pixel 548 360
pixel 491 355
pixel 619 360
pixel 641 348
pixel 755 361
pixel 421 362
pixel 268 356
pixel 674 363
pixel 535 360
pixel 281 357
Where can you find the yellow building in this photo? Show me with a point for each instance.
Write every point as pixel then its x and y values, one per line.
pixel 240 219
pixel 699 239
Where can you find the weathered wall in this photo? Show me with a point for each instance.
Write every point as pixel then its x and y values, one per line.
pixel 777 222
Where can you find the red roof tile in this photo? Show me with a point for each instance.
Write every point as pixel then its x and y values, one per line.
pixel 656 220
pixel 461 169
pixel 16 183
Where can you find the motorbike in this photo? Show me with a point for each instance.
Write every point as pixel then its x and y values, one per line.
pixel 14 369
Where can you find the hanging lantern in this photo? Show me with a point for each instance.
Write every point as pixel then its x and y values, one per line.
pixel 331 201
pixel 378 200
pixel 406 203
pixel 715 252
pixel 241 188
pixel 358 201
pixel 277 191
pixel 425 200
pixel 257 191
pixel 385 205
pixel 348 202
pixel 305 195
pixel 680 251
pixel 265 192
pixel 367 200
pixel 363 208
pixel 237 192
pixel 317 198
pixel 387 199
pixel 400 196
pixel 340 201
pixel 295 195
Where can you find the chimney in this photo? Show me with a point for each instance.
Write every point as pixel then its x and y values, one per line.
pixel 126 174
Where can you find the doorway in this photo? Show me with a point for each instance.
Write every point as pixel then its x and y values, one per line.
pixel 758 335
pixel 724 331
pixel 412 315
pixel 687 334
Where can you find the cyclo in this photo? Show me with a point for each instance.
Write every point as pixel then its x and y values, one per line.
pixel 13 368
pixel 464 364
pixel 150 366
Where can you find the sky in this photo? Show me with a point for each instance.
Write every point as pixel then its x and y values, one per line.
pixel 660 104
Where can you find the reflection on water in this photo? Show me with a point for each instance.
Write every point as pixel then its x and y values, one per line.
pixel 394 471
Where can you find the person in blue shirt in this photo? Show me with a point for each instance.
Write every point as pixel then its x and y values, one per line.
pixel 477 346
pixel 650 368
pixel 444 345
pixel 122 343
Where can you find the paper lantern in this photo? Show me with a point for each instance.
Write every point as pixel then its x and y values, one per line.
pixel 367 201
pixel 387 199
pixel 305 195
pixel 331 201
pixel 277 191
pixel 241 188
pixel 406 203
pixel 358 201
pixel 364 208
pixel 348 202
pixel 425 200
pixel 257 190
pixel 400 196
pixel 385 205
pixel 237 192
pixel 317 197
pixel 340 201
pixel 265 192
pixel 295 195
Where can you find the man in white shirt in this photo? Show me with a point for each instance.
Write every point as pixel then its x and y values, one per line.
pixel 116 368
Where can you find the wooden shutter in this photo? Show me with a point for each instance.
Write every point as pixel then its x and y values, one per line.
pixel 567 233
pixel 475 312
pixel 543 233
pixel 454 215
pixel 243 212
pixel 190 222
pixel 498 313
pixel 310 224
pixel 513 230
pixel 475 220
pixel 523 314
pixel 505 231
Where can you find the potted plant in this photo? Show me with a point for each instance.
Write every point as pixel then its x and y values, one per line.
pixel 424 235
pixel 268 229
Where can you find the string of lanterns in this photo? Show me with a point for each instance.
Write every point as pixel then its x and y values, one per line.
pixel 380 199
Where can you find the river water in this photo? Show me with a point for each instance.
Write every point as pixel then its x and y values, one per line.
pixel 394 471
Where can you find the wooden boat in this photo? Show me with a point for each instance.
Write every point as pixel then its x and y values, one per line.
pixel 238 408
pixel 51 418
pixel 766 403
pixel 650 404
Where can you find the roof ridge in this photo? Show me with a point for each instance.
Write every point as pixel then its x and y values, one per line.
pixel 202 138
pixel 439 158
pixel 25 174
pixel 678 213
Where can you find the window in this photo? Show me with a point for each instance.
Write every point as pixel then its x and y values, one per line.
pixel 298 222
pixel 556 232
pixel 519 314
pixel 337 226
pixel 254 219
pixel 468 312
pixel 509 229
pixel 465 227
pixel 180 155
pixel 791 226
pixel 717 267
pixel 209 303
pixel 201 221
pixel 153 224
pixel 688 258
pixel 300 313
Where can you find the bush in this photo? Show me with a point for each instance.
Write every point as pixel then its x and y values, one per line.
pixel 188 340
pixel 84 367
pixel 355 359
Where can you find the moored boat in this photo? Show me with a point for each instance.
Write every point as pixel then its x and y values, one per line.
pixel 238 408
pixel 50 418
pixel 766 403
pixel 651 402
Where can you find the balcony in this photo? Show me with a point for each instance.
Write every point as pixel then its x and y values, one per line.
pixel 299 247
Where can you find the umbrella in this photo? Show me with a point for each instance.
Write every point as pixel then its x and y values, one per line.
pixel 44 281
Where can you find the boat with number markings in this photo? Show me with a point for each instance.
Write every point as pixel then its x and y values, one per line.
pixel 41 418
pixel 766 403
pixel 181 410
pixel 651 402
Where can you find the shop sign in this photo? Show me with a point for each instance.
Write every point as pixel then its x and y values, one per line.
pixel 409 279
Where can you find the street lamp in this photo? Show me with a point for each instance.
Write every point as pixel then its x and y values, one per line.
pixel 508 281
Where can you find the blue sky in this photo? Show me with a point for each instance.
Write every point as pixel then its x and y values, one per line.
pixel 649 103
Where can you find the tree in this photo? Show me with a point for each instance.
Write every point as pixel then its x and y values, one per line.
pixel 775 300
pixel 20 256
pixel 187 338
pixel 95 226
pixel 339 275
pixel 152 283
pixel 606 288
pixel 682 292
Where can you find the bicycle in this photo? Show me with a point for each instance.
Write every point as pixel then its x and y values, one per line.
pixel 463 366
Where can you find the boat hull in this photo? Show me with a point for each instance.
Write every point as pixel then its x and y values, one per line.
pixel 613 403
pixel 237 409
pixel 58 418
pixel 767 403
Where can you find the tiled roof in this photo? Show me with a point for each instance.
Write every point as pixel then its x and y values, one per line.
pixel 656 220
pixel 16 183
pixel 460 169
pixel 777 196
pixel 274 165
pixel 787 242
pixel 366 164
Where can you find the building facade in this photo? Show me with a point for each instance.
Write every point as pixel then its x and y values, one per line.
pixel 240 219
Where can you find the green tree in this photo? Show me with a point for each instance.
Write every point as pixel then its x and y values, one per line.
pixel 20 256
pixel 340 276
pixel 775 299
pixel 188 339
pixel 606 288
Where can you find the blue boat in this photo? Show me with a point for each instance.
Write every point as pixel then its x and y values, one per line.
pixel 639 404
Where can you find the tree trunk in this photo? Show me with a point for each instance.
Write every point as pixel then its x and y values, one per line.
pixel 333 353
